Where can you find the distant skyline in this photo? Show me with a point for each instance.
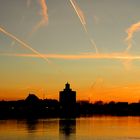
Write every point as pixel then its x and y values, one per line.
pixel 92 44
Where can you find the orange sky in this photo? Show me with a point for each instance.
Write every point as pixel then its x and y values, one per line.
pixel 93 45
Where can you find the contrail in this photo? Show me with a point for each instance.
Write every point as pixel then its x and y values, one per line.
pixel 23 44
pixel 112 56
pixel 130 31
pixel 94 45
pixel 81 16
pixel 44 14
pixel 79 13
pixel 93 86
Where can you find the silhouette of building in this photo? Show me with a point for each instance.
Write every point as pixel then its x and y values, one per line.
pixel 32 106
pixel 32 98
pixel 67 99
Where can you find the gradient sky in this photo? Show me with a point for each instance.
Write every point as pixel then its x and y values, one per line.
pixel 93 78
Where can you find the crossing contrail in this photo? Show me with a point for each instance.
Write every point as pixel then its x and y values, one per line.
pixel 111 56
pixel 79 13
pixel 23 44
pixel 81 17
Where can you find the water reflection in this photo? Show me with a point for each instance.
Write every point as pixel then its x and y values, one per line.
pixel 67 128
pixel 31 125
pixel 91 128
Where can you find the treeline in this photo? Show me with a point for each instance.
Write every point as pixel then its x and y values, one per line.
pixel 111 108
pixel 32 107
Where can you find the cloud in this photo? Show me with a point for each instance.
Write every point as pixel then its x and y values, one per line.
pixel 44 14
pixel 130 32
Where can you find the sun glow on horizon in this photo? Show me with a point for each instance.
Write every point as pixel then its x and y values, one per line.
pixel 107 71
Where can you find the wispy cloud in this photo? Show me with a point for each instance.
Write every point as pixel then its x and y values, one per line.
pixel 44 14
pixel 130 32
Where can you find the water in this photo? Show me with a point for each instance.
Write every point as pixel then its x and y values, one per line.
pixel 89 128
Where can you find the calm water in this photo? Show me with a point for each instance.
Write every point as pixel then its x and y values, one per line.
pixel 90 128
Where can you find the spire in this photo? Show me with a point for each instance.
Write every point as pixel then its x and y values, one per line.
pixel 67 86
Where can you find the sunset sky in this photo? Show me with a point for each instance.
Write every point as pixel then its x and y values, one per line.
pixel 92 44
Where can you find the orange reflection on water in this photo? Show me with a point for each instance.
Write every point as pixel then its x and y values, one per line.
pixel 109 127
pixel 97 127
pixel 24 127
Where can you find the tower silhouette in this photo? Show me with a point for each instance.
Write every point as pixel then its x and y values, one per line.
pixel 67 99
